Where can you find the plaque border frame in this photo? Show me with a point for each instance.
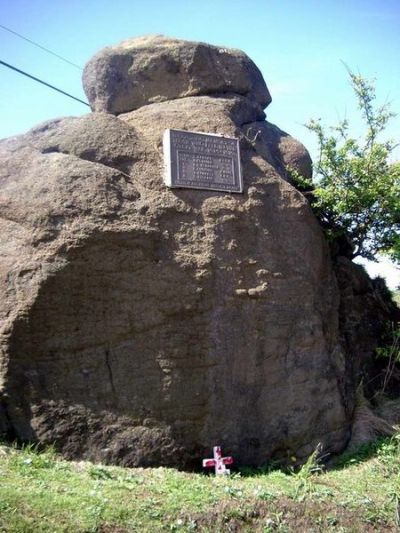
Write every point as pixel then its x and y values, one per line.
pixel 168 169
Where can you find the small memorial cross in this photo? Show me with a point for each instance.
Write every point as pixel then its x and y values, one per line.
pixel 218 462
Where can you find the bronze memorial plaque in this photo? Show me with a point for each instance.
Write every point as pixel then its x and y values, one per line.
pixel 202 161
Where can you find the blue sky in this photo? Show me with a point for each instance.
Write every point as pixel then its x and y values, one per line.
pixel 298 46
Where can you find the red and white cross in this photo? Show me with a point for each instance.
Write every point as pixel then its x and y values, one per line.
pixel 218 462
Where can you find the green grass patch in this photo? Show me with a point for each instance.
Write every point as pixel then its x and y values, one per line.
pixel 39 491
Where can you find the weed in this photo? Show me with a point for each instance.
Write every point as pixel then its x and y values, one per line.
pixel 275 522
pixel 233 492
pixel 264 494
pixel 99 472
pixel 304 478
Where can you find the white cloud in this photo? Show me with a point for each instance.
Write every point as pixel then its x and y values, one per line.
pixel 288 87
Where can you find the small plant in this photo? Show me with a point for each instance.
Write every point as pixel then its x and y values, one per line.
pixel 304 184
pixel 233 492
pixel 264 494
pixel 99 472
pixel 275 523
pixel 304 477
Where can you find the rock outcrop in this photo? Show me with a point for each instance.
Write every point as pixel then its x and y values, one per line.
pixel 142 325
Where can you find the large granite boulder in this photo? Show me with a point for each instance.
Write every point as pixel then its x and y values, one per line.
pixel 142 325
pixel 153 69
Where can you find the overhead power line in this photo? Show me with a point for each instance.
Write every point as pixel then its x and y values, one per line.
pixel 40 46
pixel 42 82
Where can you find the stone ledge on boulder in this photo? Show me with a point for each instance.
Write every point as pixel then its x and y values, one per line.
pixel 152 69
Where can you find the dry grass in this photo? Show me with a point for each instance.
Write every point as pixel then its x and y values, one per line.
pixel 369 425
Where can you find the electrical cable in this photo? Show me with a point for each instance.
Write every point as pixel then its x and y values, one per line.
pixel 42 82
pixel 40 46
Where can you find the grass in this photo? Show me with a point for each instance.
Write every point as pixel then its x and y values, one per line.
pixel 41 492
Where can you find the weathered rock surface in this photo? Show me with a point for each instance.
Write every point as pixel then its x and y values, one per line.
pixel 365 312
pixel 153 69
pixel 143 325
pixel 275 145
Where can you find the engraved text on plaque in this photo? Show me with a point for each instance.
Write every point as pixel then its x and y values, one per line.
pixel 202 161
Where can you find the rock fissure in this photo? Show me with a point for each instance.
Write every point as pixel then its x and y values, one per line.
pixel 110 373
pixel 6 425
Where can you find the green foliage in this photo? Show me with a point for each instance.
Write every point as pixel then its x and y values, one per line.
pixel 357 188
pixel 382 447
